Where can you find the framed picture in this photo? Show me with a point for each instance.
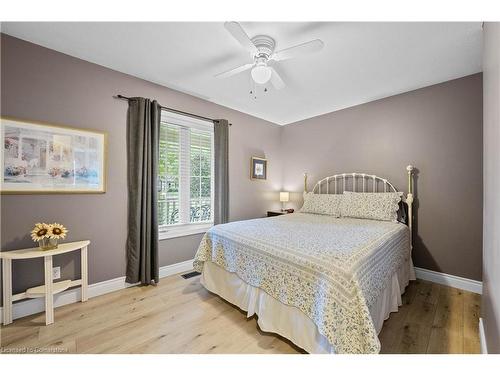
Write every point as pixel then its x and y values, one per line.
pixel 40 158
pixel 258 169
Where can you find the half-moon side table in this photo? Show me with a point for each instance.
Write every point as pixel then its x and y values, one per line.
pixel 49 288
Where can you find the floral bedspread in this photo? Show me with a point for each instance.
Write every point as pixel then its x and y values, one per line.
pixel 332 269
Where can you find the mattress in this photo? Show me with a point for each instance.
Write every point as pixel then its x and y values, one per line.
pixel 333 270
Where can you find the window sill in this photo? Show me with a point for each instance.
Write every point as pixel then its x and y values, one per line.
pixel 183 230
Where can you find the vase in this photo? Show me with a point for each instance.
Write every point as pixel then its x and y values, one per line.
pixel 47 244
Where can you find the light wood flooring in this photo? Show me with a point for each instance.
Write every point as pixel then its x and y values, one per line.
pixel 180 316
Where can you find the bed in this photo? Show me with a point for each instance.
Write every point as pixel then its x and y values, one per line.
pixel 325 283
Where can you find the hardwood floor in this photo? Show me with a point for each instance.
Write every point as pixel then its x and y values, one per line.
pixel 180 316
pixel 433 319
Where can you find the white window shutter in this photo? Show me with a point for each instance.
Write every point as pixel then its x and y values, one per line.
pixel 186 157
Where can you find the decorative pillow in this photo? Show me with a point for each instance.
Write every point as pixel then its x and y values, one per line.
pixel 322 204
pixel 376 206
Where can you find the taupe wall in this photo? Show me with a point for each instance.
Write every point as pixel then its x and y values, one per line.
pixel 41 84
pixel 439 130
pixel 490 304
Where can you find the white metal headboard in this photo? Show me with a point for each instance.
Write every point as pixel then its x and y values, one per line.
pixel 363 182
pixel 352 182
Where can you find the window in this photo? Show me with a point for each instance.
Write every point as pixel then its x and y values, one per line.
pixel 186 169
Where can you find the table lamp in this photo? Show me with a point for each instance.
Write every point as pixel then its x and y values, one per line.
pixel 284 197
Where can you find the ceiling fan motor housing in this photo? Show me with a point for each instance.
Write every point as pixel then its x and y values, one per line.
pixel 265 45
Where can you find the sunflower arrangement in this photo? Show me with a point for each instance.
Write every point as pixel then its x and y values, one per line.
pixel 47 235
pixel 40 231
pixel 58 231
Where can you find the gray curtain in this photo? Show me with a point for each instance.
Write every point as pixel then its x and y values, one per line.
pixel 221 167
pixel 143 127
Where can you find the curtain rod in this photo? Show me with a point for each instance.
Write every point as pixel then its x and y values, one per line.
pixel 173 110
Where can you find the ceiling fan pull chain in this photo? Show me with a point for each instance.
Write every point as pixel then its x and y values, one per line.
pixel 253 89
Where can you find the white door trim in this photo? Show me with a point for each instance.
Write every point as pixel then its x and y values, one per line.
pixel 482 337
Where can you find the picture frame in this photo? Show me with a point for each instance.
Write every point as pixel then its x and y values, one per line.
pixel 258 168
pixel 44 158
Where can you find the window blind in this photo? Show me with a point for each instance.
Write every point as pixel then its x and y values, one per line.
pixel 185 171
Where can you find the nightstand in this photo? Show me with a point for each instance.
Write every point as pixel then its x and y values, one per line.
pixel 275 213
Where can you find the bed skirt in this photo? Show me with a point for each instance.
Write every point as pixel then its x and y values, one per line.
pixel 288 321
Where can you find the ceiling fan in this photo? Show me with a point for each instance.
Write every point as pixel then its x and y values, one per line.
pixel 261 48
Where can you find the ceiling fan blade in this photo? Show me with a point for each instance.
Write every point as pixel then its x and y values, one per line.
pixel 276 79
pixel 241 36
pixel 298 50
pixel 234 71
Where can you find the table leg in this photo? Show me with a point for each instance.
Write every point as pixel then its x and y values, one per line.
pixel 7 290
pixel 84 272
pixel 49 295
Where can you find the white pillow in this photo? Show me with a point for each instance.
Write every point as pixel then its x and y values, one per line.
pixel 376 206
pixel 322 204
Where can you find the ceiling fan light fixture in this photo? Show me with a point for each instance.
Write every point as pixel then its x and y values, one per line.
pixel 261 73
pixel 261 48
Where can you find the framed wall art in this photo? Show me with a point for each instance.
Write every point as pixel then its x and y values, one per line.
pixel 258 169
pixel 41 158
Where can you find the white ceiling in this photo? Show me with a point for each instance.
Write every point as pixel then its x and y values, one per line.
pixel 360 62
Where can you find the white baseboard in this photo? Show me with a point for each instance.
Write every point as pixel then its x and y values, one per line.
pixel 176 268
pixel 449 280
pixel 482 337
pixel 37 305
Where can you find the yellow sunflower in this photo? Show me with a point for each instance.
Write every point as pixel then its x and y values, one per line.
pixel 40 231
pixel 58 231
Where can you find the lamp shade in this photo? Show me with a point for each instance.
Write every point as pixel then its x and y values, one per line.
pixel 284 196
pixel 261 73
